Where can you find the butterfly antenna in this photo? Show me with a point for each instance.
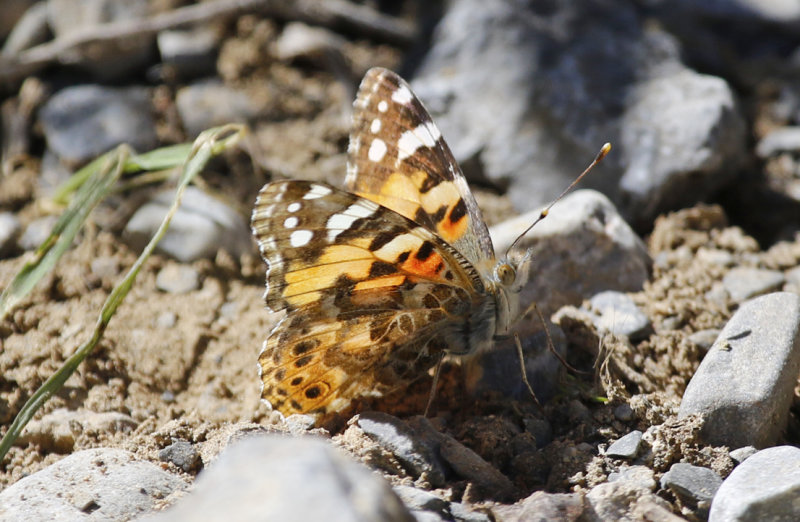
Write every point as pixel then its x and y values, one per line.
pixel 604 150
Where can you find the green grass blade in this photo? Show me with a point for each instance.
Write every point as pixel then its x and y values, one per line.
pixel 207 145
pixel 99 176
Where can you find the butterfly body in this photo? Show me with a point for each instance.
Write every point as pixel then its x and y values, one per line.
pixel 378 281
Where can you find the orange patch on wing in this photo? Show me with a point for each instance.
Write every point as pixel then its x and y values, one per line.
pixel 381 282
pixel 430 267
pixel 453 230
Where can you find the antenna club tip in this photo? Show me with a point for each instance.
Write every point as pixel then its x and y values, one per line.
pixel 605 149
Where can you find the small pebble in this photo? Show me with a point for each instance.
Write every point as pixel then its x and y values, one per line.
pixel 694 485
pixel 177 279
pixel 9 231
pixel 744 283
pixel 166 320
pixel 739 455
pixel 37 232
pixel 627 447
pixel 623 412
pixel 618 314
pixel 704 339
pixel 183 454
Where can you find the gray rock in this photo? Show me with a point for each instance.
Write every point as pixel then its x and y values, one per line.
pixel 784 139
pixel 53 174
pixel 641 475
pixel 694 485
pixel 37 232
pixel 85 121
pixel 695 146
pixel 57 430
pixel 793 275
pixel 704 339
pixel 543 506
pixel 166 320
pixel 398 438
pixel 749 11
pixel 183 454
pixel 287 478
pixel 764 487
pixel 627 447
pixel 201 226
pixel 582 248
pixel 578 413
pixel 715 256
pixel 541 430
pixel 114 58
pixel 9 232
pixel 617 313
pixel 739 455
pixel 462 513
pixel 744 386
pixel 488 481
pixel 533 102
pixel 207 104
pixel 623 412
pixel 30 30
pixel 189 52
pixel 743 283
pixel 625 500
pixel 300 423
pixel 298 40
pixel 95 484
pixel 177 279
pixel 105 266
pixel 421 500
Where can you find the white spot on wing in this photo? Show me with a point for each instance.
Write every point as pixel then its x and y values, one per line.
pixel 402 95
pixel 377 150
pixel 340 222
pixel 291 222
pixel 294 207
pixel 375 126
pixel 317 191
pixel 300 238
pixel 383 106
pixel 425 135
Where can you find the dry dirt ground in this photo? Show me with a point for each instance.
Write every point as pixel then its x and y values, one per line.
pixel 184 366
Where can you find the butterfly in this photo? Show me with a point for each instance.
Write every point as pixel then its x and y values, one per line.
pixel 380 280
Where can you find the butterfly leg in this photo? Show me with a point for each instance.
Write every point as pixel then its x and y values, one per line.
pixel 523 371
pixel 436 373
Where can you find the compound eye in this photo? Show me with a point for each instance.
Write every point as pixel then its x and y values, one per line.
pixel 506 274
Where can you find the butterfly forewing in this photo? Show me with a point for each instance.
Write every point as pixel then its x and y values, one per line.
pixel 397 158
pixel 321 242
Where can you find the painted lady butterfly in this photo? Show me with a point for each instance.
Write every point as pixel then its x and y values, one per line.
pixel 381 281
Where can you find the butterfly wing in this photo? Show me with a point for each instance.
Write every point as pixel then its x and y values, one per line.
pixel 371 296
pixel 398 158
pixel 317 362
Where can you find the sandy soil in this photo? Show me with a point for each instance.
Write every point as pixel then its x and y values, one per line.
pixel 184 366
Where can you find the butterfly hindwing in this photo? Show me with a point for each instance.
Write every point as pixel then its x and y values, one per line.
pixel 317 362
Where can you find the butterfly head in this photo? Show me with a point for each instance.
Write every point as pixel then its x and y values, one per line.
pixel 509 277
